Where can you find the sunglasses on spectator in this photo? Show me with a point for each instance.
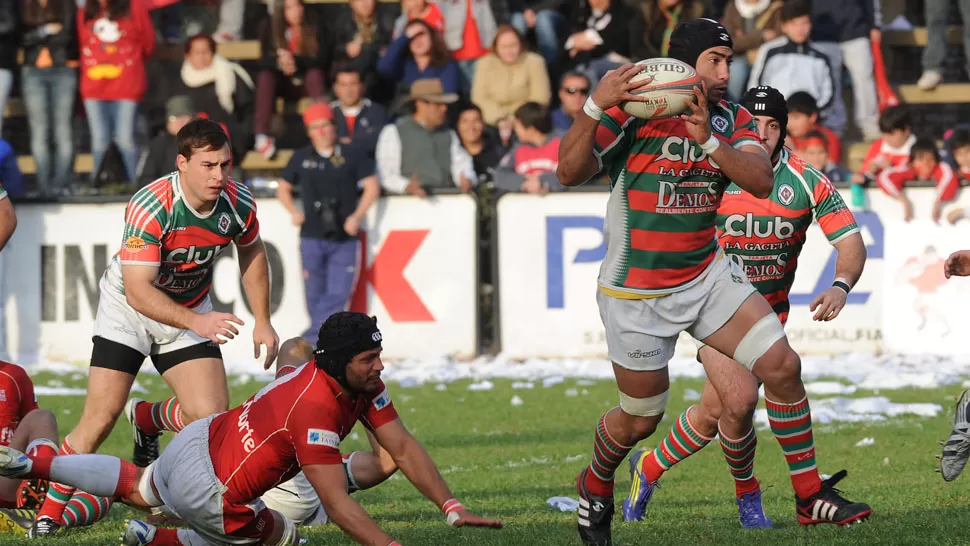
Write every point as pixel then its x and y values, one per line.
pixel 575 90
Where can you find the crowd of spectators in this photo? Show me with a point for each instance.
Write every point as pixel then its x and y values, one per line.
pixel 451 93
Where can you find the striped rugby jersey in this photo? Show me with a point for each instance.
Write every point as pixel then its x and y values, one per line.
pixel 664 196
pixel 3 192
pixel 162 229
pixel 767 235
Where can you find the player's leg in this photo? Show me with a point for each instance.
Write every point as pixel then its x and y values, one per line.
pixel 956 449
pixel 268 527
pixel 35 434
pixel 756 339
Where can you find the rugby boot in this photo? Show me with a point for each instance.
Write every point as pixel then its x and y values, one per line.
pixel 641 490
pixel 147 446
pixel 137 533
pixel 751 511
pixel 956 450
pixel 595 515
pixel 829 506
pixel 43 526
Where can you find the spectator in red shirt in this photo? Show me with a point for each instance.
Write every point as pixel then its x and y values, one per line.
pixel 924 164
pixel 296 56
pixel 959 145
pixel 470 29
pixel 893 149
pixel 116 37
pixel 419 9
pixel 803 118
pixel 530 166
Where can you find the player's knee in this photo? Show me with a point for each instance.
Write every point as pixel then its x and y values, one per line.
pixel 282 532
pixel 642 415
pixel 780 367
pixel 95 424
pixel 705 415
pixel 203 410
pixel 740 406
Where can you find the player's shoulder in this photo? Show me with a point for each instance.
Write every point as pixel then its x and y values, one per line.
pixel 161 191
pixel 239 195
pixel 15 373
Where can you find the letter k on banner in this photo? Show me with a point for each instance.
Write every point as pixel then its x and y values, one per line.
pixel 386 275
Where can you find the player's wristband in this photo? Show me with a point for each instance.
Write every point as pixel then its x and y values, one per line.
pixel 712 144
pixel 592 110
pixel 839 283
pixel 451 507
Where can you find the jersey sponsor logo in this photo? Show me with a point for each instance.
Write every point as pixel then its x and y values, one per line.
pixel 786 194
pixel 643 354
pixel 242 424
pixel 176 283
pixel 6 434
pixel 720 123
pixel 224 223
pixel 193 255
pixel 682 149
pixel 670 201
pixel 766 267
pixel 320 437
pixel 134 244
pixel 383 400
pixel 746 225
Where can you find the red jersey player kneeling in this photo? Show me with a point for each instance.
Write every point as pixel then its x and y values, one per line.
pixel 213 473
pixel 924 164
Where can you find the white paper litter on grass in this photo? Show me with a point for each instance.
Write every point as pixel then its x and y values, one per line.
pixel 516 401
pixel 563 504
pixel 523 385
pixel 865 442
pixel 485 385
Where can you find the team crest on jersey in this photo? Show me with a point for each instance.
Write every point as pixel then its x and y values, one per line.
pixel 320 437
pixel 786 194
pixel 134 244
pixel 383 400
pixel 224 223
pixel 720 123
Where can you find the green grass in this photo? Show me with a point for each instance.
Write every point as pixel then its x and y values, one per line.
pixel 505 461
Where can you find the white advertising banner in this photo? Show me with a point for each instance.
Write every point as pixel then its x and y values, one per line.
pixel 52 265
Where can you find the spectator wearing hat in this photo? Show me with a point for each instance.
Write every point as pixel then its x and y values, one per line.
pixel 419 152
pixel 337 186
pixel 160 157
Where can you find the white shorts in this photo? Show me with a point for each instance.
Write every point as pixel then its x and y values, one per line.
pixel 297 501
pixel 119 322
pixel 186 482
pixel 641 334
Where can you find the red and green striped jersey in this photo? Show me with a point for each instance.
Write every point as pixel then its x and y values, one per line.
pixel 163 230
pixel 767 235
pixel 3 192
pixel 664 195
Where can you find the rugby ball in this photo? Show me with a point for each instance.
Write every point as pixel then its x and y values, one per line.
pixel 673 81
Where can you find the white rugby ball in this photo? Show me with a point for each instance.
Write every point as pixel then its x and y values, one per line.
pixel 673 81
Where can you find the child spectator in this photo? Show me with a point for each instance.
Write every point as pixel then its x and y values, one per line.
pixel 530 166
pixel 924 164
pixel 750 24
pixel 814 149
pixel 418 54
pixel 49 86
pixel 791 63
pixel 893 149
pixel 803 119
pixel 509 77
pixel 421 10
pixel 958 144
pixel 296 57
pixel 116 38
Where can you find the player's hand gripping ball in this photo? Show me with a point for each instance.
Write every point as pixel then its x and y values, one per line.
pixel 673 81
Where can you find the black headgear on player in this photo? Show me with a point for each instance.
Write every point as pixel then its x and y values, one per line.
pixel 343 336
pixel 768 101
pixel 691 38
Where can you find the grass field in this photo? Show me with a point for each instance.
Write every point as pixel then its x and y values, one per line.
pixel 505 460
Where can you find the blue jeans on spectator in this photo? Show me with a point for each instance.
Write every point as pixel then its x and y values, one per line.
pixel 738 84
pixel 329 274
pixel 548 23
pixel 49 98
pixel 467 69
pixel 597 68
pixel 113 120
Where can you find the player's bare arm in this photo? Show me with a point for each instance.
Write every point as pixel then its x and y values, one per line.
pixel 8 221
pixel 330 483
pixel 849 262
pixel 748 167
pixel 144 297
pixel 254 268
pixel 577 164
pixel 414 461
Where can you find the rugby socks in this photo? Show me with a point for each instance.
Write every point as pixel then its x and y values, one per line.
pixel 739 455
pixel 42 447
pixel 58 495
pixel 608 455
pixel 102 475
pixel 681 442
pixel 792 426
pixel 168 537
pixel 85 509
pixel 152 418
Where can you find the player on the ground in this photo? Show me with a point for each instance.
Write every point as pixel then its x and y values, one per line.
pixel 664 272
pixel 155 301
pixel 8 218
pixel 766 237
pixel 214 471
pixel 956 449
pixel 26 427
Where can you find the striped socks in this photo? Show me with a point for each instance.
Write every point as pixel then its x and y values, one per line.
pixel 739 455
pixel 85 509
pixel 681 442
pixel 792 426
pixel 608 455
pixel 152 418
pixel 58 495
